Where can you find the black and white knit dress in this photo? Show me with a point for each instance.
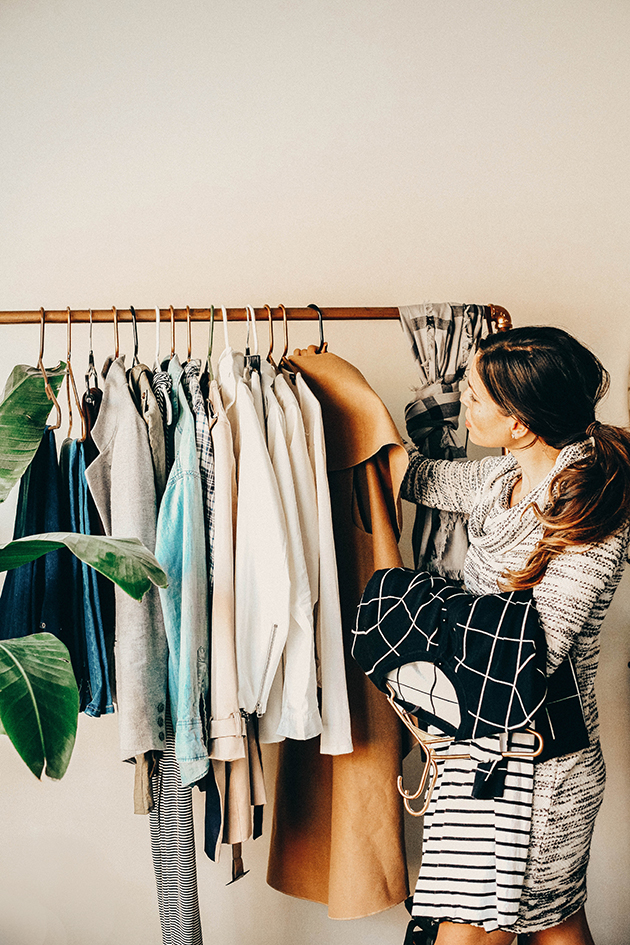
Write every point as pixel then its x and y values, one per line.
pixel 572 600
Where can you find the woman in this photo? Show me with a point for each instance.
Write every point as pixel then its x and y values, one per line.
pixel 552 514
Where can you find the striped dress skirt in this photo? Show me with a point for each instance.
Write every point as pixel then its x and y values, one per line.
pixel 475 849
pixel 517 862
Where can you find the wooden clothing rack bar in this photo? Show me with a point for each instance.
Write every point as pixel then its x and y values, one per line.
pixel 498 316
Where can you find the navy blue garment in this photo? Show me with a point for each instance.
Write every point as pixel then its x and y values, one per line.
pixel 91 405
pixel 73 597
pixel 88 592
pixel 472 666
pixel 31 600
pixel 213 821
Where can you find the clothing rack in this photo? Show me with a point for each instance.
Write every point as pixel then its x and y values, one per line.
pixel 498 317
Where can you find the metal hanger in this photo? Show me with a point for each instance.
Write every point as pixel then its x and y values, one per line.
pixel 208 367
pixel 270 317
pixel 320 315
pixel 252 359
pixel 92 374
pixel 428 744
pixel 116 337
pixel 71 386
pixel 172 311
pixel 188 335
pixel 285 329
pixel 284 364
pixel 225 328
pixel 156 365
pixel 40 364
pixel 135 336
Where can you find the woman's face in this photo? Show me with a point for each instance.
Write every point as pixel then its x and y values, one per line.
pixel 486 422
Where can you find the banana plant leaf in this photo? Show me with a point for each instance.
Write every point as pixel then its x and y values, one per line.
pixel 24 410
pixel 125 561
pixel 39 702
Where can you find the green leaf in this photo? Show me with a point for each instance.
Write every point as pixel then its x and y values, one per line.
pixel 125 561
pixel 24 411
pixel 39 701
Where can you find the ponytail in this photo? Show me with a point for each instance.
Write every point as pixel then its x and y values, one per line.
pixel 590 501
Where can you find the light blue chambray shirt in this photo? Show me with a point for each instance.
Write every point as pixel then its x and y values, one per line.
pixel 181 550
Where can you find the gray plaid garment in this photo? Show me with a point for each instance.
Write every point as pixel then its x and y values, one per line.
pixel 442 339
pixel 205 453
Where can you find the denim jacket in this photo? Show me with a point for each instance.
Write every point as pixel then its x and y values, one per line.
pixel 181 551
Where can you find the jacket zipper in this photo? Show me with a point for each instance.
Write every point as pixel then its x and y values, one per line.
pixel 258 709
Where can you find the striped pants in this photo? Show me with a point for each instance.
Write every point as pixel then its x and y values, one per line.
pixel 173 850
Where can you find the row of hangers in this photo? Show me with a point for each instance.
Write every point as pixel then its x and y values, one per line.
pixel 497 317
pixel 91 377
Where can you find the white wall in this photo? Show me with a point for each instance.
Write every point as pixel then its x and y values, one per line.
pixel 359 153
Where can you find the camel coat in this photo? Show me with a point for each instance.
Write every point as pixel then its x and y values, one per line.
pixel 337 835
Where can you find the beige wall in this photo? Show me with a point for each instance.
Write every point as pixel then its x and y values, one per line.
pixel 361 152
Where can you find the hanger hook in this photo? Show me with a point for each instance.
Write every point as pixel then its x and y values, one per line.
pixel 210 343
pixel 270 316
pixel 91 372
pixel 249 323
pixel 188 332
pixel 71 386
pixel 134 327
pixel 42 323
pixel 252 315
pixel 157 337
pixel 116 338
pixel 69 336
pixel 225 327
pixel 172 311
pixel 320 316
pixel 211 334
pixel 40 364
pixel 69 370
pixel 285 329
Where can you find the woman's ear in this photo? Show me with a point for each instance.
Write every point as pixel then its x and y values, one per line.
pixel 518 429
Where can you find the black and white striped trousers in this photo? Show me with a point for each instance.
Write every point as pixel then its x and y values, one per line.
pixel 173 850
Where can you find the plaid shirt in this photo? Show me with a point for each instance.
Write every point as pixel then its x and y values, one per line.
pixel 205 452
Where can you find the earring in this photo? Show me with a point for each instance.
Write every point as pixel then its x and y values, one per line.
pixel 514 435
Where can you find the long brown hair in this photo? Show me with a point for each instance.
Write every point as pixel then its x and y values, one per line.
pixel 552 383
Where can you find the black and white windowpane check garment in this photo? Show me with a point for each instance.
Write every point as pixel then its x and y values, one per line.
pixel 571 602
pixel 470 665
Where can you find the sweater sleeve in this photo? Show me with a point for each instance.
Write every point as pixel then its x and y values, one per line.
pixel 445 484
pixel 573 597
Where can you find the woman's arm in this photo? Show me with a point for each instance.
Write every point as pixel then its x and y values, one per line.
pixel 444 484
pixel 573 597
